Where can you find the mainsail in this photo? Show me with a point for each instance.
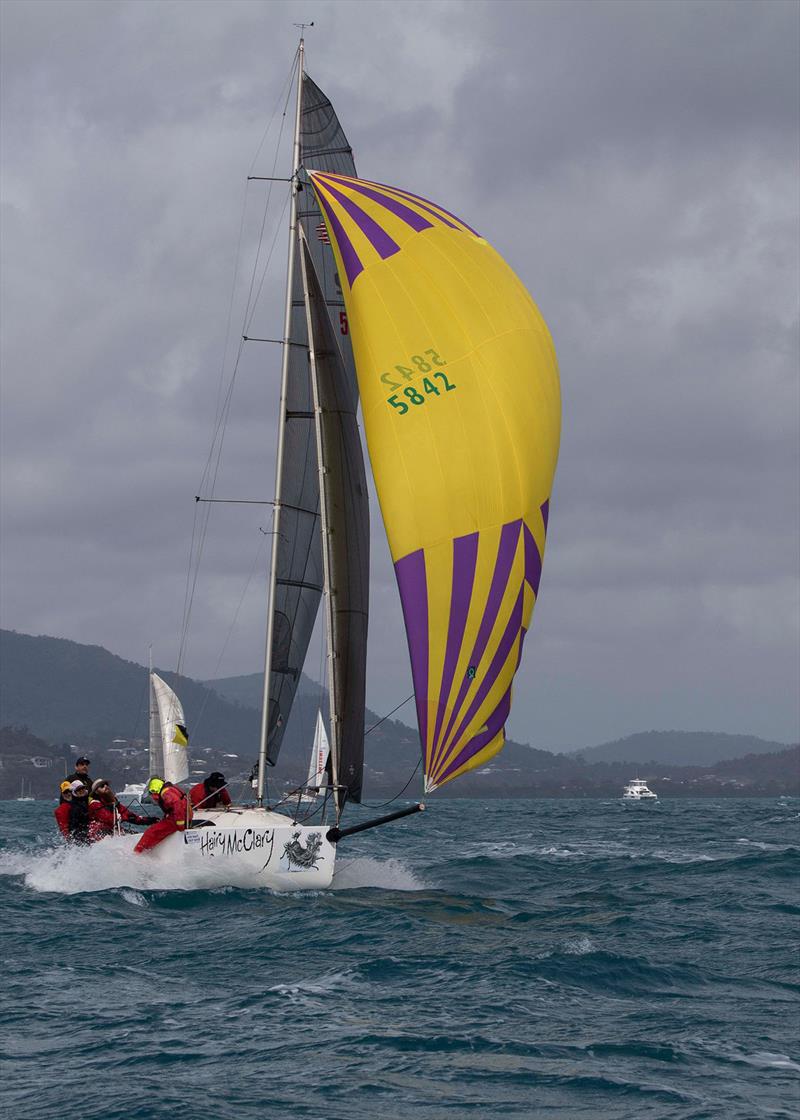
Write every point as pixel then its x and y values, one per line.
pixel 297 568
pixel 169 757
pixel 459 389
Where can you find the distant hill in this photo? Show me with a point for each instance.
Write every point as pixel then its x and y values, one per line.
pixel 58 697
pixel 679 748
pixel 247 691
pixel 64 690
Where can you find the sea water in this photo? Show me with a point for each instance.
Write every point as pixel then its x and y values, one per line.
pixel 577 958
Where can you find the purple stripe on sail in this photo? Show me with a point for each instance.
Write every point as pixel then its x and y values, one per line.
pixel 545 511
pixel 350 258
pixel 509 536
pixel 510 635
pixel 465 556
pixel 413 585
pixel 494 723
pixel 426 204
pixel 409 216
pixel 377 236
pixel 533 561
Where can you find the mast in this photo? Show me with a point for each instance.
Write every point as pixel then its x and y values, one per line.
pixel 151 710
pixel 262 752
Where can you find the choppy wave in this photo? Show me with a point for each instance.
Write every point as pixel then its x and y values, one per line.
pixel 493 960
pixel 112 865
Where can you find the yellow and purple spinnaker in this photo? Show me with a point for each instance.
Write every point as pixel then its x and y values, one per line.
pixel 459 389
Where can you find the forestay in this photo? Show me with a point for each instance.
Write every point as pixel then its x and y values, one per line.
pixel 459 388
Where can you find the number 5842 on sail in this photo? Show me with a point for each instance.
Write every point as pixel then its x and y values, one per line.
pixel 414 397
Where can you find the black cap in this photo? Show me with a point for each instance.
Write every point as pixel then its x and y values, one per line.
pixel 81 760
pixel 215 779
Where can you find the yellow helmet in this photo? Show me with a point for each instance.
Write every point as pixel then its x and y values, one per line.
pixel 155 786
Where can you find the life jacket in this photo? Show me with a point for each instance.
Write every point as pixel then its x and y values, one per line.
pixel 61 813
pixel 105 819
pixel 102 819
pixel 175 805
pixel 204 799
pixel 79 821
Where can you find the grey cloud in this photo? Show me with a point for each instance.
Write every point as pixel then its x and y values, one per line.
pixel 636 163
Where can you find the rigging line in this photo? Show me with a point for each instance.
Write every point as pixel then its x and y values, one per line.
pixel 391 713
pixel 288 83
pixel 253 274
pixel 288 93
pixel 383 804
pixel 281 98
pixel 236 501
pixel 278 228
pixel 139 709
pixel 222 420
pixel 232 627
pixel 223 410
pixel 250 305
pixel 199 535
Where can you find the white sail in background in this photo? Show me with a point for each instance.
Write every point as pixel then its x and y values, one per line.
pixel 171 740
pixel 156 740
pixel 319 757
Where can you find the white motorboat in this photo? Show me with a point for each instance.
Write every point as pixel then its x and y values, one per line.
pixel 638 790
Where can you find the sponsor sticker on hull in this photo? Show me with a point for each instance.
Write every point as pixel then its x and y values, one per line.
pixel 211 842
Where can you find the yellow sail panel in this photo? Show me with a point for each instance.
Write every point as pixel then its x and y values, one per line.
pixel 459 389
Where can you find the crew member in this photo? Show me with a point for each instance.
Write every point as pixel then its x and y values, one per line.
pixel 61 811
pixel 176 808
pixel 81 773
pixel 105 810
pixel 210 793
pixel 79 814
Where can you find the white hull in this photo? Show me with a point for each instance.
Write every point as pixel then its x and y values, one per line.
pixel 253 847
pixel 638 790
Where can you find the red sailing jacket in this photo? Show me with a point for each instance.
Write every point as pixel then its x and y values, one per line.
pixel 61 813
pixel 211 800
pixel 175 806
pixel 101 817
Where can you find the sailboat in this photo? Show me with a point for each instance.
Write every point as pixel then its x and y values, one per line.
pixel 169 740
pixel 317 763
pixel 22 795
pixel 392 298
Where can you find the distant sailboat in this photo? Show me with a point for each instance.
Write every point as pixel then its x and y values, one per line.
pixel 169 740
pixel 22 795
pixel 459 389
pixel 316 781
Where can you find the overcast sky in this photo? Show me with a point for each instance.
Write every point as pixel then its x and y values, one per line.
pixel 637 164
